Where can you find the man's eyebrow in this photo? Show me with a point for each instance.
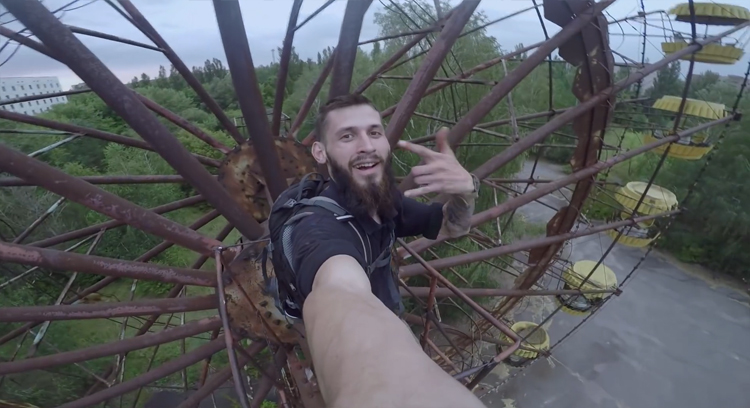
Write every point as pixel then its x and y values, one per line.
pixel 346 129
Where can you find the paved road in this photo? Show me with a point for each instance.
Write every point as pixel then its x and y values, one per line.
pixel 674 338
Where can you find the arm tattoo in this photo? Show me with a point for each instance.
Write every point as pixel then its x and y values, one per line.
pixel 457 214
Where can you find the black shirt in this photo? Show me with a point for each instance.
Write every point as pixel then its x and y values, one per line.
pixel 320 236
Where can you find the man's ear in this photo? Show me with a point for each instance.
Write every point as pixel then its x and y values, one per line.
pixel 319 153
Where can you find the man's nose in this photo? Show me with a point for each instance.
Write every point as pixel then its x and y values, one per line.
pixel 365 143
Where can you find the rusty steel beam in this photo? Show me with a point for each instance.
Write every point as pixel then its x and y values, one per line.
pixel 427 69
pixel 105 310
pixel 221 377
pixel 183 123
pixel 464 126
pixel 42 96
pixel 420 32
pixel 18 182
pixel 545 130
pixel 548 114
pixel 458 260
pixel 109 349
pixel 268 382
pixel 92 229
pixel 142 24
pixel 310 99
pixel 346 50
pixel 170 367
pixel 153 106
pixel 104 36
pixel 54 180
pixel 419 54
pixel 449 80
pixel 465 74
pixel 418 36
pixel 97 134
pixel 118 97
pixel 283 73
pixel 110 279
pixel 486 292
pixel 475 306
pixel 177 288
pixel 23 235
pixel 240 61
pixel 370 79
pixel 173 293
pixel 315 13
pixel 59 260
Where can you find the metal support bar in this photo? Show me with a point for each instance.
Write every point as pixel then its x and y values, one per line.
pixel 59 260
pixel 545 130
pixel 486 292
pixel 97 34
pixel 109 349
pixel 498 92
pixel 240 61
pixel 142 24
pixel 346 50
pixel 162 371
pixel 92 229
pixel 97 134
pixel 118 97
pixel 427 69
pixel 310 98
pixel 101 201
pixel 156 179
pixel 477 308
pixel 105 310
pixel 283 73
pixel 220 378
pixel 37 222
pixel 458 260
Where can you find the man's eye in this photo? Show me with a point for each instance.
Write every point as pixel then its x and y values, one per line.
pixel 376 133
pixel 347 136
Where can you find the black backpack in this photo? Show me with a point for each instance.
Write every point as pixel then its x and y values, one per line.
pixel 293 204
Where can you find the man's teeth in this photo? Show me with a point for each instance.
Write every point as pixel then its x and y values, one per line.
pixel 365 165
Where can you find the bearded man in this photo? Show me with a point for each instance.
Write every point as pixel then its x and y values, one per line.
pixel 364 356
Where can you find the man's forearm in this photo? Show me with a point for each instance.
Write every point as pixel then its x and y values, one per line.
pixel 364 355
pixel 457 213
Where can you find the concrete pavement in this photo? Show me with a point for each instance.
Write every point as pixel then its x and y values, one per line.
pixel 676 337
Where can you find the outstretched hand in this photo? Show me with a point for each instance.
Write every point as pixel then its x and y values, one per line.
pixel 440 171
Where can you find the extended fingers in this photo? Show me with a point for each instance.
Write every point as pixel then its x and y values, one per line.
pixel 416 192
pixel 427 179
pixel 424 169
pixel 422 151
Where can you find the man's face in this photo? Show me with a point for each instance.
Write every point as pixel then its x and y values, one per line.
pixel 355 142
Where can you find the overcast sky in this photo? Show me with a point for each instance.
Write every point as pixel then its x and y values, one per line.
pixel 189 26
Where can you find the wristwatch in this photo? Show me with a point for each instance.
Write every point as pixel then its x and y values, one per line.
pixel 475 180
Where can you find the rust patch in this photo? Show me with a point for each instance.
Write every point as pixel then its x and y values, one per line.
pixel 241 175
pixel 244 283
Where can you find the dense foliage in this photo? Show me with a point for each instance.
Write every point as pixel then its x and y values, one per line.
pixel 711 232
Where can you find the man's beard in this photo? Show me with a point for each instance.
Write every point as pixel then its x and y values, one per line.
pixel 374 198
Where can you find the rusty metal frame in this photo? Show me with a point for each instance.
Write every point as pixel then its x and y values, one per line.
pixel 240 61
pixel 140 22
pixel 346 50
pixel 54 35
pixel 117 96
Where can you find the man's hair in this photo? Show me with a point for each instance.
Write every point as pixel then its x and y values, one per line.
pixel 339 102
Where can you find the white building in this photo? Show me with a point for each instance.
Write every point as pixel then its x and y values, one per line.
pixel 22 87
